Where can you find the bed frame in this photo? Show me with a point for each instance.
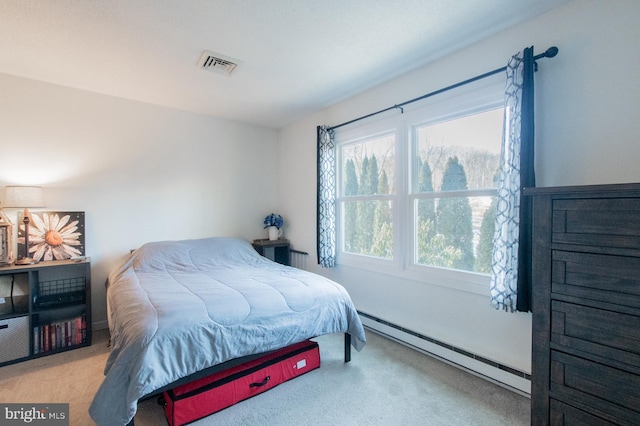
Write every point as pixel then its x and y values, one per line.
pixel 224 366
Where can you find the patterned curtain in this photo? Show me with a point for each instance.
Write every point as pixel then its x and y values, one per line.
pixel 511 268
pixel 326 238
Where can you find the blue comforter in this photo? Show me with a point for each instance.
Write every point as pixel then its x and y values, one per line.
pixel 177 307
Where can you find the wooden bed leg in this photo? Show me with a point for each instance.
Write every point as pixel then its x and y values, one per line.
pixel 347 347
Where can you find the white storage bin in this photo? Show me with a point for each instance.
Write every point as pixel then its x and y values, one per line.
pixel 14 338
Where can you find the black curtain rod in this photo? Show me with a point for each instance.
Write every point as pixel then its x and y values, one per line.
pixel 549 53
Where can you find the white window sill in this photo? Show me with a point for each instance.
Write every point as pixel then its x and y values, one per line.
pixel 458 280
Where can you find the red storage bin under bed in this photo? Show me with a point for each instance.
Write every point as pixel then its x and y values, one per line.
pixel 205 396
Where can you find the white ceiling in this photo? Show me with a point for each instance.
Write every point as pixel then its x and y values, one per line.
pixel 296 56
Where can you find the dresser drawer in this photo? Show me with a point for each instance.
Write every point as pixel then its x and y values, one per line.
pixel 612 222
pixel 566 415
pixel 610 279
pixel 595 388
pixel 610 335
pixel 14 338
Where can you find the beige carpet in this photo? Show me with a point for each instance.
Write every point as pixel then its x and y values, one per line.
pixel 385 384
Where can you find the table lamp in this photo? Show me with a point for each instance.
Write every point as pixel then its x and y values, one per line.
pixel 24 197
pixel 6 239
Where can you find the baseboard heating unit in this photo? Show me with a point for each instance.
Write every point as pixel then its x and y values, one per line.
pixel 298 259
pixel 508 377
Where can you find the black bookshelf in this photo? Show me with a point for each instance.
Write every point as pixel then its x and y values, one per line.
pixel 46 309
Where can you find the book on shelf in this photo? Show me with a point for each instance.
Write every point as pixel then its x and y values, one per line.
pixel 59 334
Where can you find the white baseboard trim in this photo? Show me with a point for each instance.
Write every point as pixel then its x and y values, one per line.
pixel 510 378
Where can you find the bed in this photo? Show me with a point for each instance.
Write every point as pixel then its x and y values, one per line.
pixel 176 308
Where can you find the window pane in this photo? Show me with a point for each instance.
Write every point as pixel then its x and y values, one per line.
pixel 463 153
pixel 368 228
pixel 455 232
pixel 367 167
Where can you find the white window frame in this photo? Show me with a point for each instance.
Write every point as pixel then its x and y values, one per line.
pixel 477 98
pixel 353 136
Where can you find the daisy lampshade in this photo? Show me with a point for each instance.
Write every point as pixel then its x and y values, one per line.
pixel 24 197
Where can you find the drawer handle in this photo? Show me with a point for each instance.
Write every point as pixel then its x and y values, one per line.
pixel 3 326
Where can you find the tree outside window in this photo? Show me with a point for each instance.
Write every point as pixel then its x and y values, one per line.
pixel 367 209
pixel 446 186
pixel 454 222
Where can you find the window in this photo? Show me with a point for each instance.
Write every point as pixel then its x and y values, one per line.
pixel 417 192
pixel 367 201
pixel 455 177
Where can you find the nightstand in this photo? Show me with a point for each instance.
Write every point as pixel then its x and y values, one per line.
pixel 276 250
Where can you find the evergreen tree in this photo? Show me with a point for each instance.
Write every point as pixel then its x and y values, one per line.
pixel 484 251
pixel 383 184
pixel 435 251
pixel 425 179
pixel 366 208
pixel 364 177
pixel 426 207
pixel 373 176
pixel 350 208
pixel 485 245
pixel 454 215
pixel 454 177
pixel 382 244
pixel 351 181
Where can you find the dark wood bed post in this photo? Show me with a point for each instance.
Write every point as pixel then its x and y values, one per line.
pixel 347 347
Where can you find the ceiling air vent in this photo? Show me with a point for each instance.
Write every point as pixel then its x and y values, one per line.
pixel 216 62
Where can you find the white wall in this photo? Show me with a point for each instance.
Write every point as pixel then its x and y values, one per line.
pixel 139 172
pixel 142 172
pixel 587 129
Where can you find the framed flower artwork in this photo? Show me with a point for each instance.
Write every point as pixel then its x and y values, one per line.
pixel 53 235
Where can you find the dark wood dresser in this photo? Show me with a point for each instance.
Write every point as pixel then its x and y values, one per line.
pixel 586 305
